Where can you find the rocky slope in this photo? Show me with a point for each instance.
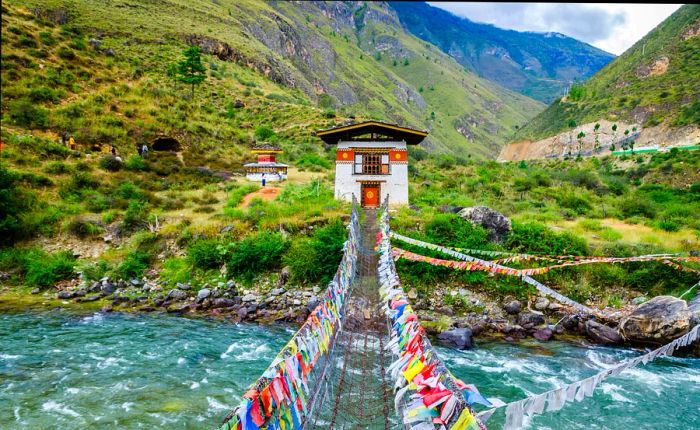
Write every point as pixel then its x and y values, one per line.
pixel 351 58
pixel 652 83
pixel 539 65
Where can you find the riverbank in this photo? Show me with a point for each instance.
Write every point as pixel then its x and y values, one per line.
pixel 472 315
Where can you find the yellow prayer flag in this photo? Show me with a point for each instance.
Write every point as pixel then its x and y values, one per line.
pixel 466 421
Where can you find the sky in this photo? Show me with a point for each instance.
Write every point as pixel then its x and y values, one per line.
pixel 610 27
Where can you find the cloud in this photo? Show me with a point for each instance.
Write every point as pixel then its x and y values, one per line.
pixel 611 27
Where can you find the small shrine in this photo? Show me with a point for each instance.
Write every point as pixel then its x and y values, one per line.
pixel 267 166
pixel 372 161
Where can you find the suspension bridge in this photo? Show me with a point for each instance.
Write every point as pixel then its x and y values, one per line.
pixel 363 361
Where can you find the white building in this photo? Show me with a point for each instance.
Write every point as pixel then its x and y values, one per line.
pixel 267 166
pixel 372 161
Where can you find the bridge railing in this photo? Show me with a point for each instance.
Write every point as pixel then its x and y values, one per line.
pixel 283 397
pixel 428 394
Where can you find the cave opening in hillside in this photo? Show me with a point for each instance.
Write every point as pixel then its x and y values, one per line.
pixel 166 143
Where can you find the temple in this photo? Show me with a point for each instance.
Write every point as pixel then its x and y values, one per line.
pixel 266 165
pixel 372 161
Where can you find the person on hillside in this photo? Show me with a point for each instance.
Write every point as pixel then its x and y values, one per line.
pixel 263 180
pixel 144 151
pixel 114 151
pixel 71 142
pixel 138 148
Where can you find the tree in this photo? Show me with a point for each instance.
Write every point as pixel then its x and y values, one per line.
pixel 595 130
pixel 405 61
pixel 580 137
pixel 572 125
pixel 191 71
pixel 624 142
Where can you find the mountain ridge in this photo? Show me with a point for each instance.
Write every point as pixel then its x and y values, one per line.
pixel 528 62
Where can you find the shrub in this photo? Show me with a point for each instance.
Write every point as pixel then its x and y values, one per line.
pixel 44 270
pixel 634 206
pixel 133 266
pixel 534 237
pixel 56 168
pixel 315 260
pixel 135 162
pixel 176 270
pixel 135 216
pixel 83 228
pixel 15 205
pixel 263 132
pixel 313 160
pixel 66 53
pixel 668 225
pixel 453 230
pixel 257 253
pixel 206 254
pixel 574 202
pixel 26 114
pixel 110 162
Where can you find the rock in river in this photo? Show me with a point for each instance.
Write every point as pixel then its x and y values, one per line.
pixel 603 334
pixel 460 338
pixel 512 307
pixel 660 320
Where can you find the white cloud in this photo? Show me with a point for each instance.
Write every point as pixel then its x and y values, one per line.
pixel 611 27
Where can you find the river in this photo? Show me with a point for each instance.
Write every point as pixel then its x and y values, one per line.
pixel 67 371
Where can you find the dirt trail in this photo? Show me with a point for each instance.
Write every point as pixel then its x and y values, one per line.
pixel 267 193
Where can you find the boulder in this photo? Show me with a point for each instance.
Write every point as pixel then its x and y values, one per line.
pixel 541 303
pixel 65 295
pixel 176 294
pixel 108 287
pixel 530 319
pixel 603 334
pixel 182 286
pixel 660 320
pixel 222 303
pixel 250 298
pixel 694 308
pixel 203 294
pixel 543 334
pixel 460 338
pixel 277 291
pixel 497 224
pixel 512 307
pixel 311 305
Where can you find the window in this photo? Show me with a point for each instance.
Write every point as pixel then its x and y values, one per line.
pixel 371 163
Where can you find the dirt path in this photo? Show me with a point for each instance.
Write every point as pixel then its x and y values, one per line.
pixel 267 193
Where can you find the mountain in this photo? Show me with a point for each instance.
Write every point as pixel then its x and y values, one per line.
pixel 538 65
pixel 351 59
pixel 653 86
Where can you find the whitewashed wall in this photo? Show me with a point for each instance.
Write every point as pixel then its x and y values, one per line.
pixel 395 184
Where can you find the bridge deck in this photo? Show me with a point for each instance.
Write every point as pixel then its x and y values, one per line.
pixel 357 393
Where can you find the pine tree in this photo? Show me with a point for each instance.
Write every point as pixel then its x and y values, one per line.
pixel 191 71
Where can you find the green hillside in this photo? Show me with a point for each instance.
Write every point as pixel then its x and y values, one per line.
pixel 345 59
pixel 539 65
pixel 653 82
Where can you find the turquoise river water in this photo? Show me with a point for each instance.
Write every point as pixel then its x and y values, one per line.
pixel 115 371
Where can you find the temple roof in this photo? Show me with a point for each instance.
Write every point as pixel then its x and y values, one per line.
pixel 374 128
pixel 270 164
pixel 265 148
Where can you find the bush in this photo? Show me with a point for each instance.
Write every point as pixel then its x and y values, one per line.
pixel 15 205
pixel 133 266
pixel 83 228
pixel 574 202
pixel 66 53
pixel 135 163
pixel 263 132
pixel 135 216
pixel 453 230
pixel 56 168
pixel 316 259
pixel 206 254
pixel 44 270
pixel 634 206
pixel 312 160
pixel 533 237
pixel 668 225
pixel 110 162
pixel 257 253
pixel 26 114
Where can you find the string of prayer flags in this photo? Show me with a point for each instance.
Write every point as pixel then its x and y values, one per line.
pixel 557 398
pixel 497 268
pixel 277 400
pixel 427 394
